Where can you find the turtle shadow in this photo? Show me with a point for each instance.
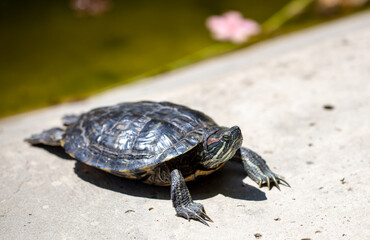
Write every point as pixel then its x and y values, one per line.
pixel 56 150
pixel 227 181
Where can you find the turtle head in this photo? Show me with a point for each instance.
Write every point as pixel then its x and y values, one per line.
pixel 221 146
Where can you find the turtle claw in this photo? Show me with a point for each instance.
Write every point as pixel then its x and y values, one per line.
pixel 276 182
pixel 193 211
pixel 268 183
pixel 271 179
pixel 204 215
pixel 265 177
pixel 285 182
pixel 202 218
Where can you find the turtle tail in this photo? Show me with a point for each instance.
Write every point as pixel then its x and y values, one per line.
pixel 51 137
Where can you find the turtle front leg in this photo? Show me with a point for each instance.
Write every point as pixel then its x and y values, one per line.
pixel 182 201
pixel 258 170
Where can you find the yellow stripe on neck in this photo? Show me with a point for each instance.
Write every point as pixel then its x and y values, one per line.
pixel 202 173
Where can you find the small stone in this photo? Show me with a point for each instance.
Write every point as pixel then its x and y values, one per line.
pixel 343 181
pixel 257 235
pixel 328 107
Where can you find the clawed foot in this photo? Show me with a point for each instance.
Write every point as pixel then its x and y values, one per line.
pixel 270 179
pixel 193 211
pixel 258 170
pixel 182 201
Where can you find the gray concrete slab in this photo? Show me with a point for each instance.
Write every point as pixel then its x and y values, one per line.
pixel 276 92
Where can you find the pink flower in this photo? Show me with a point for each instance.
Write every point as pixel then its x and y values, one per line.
pixel 90 7
pixel 231 26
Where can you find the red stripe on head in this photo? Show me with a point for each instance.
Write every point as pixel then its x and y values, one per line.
pixel 212 140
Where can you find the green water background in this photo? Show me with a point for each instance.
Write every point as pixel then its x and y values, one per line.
pixel 48 54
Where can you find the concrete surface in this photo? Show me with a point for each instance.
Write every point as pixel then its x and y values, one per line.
pixel 276 92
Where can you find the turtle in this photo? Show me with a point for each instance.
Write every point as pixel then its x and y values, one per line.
pixel 159 143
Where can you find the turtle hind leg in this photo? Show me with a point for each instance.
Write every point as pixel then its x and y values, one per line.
pixel 182 201
pixel 51 137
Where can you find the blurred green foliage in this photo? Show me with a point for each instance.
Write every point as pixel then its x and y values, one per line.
pixel 48 54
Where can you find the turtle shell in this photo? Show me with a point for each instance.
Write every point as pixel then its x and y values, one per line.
pixel 130 139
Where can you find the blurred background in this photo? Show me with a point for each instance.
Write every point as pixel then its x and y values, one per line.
pixel 65 50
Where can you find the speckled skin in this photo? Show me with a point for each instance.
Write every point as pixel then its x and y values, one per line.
pixel 142 140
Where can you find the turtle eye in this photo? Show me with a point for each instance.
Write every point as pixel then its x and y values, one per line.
pixel 226 137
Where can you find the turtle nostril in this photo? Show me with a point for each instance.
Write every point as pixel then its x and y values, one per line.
pixel 235 129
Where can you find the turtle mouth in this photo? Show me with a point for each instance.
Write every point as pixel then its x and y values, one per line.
pixel 238 142
pixel 236 145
